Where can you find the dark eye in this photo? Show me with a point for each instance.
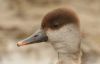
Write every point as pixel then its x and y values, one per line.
pixel 56 25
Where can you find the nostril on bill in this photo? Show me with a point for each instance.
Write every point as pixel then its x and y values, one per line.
pixel 35 35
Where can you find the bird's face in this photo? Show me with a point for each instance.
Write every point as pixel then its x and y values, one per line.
pixel 55 26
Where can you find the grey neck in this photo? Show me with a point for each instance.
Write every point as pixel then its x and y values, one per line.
pixel 68 55
pixel 69 50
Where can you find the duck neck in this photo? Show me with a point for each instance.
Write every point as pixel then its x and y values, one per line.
pixel 69 50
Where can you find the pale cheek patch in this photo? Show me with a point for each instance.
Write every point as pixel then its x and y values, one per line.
pixel 56 35
pixel 66 38
pixel 63 33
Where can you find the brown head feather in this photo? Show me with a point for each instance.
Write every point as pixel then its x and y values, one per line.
pixel 58 18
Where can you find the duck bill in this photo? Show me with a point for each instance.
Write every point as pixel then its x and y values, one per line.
pixel 39 36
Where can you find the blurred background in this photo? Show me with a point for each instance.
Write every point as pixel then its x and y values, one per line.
pixel 20 18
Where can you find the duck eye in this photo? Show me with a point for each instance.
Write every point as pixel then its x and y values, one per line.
pixel 55 25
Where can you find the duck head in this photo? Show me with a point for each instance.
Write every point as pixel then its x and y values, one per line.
pixel 56 26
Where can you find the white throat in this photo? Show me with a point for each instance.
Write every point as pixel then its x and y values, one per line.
pixel 66 41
